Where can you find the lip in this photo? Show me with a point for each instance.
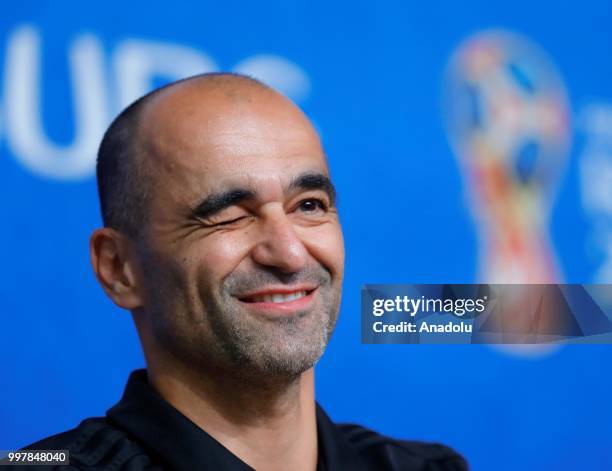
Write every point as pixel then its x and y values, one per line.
pixel 282 289
pixel 284 309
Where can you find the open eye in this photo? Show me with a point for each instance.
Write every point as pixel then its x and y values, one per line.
pixel 312 205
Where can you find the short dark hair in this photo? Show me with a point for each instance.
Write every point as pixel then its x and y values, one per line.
pixel 123 179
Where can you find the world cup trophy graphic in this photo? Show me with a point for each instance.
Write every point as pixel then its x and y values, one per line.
pixel 507 119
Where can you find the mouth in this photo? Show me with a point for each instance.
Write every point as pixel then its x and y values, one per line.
pixel 280 301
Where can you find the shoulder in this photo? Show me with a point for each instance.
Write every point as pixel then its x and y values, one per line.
pixel 94 444
pixel 383 452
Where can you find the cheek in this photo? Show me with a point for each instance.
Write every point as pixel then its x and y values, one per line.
pixel 326 244
pixel 166 283
pixel 218 255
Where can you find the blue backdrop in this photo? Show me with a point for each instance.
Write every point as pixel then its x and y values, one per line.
pixel 372 76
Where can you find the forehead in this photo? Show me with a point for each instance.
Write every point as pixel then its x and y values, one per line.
pixel 197 140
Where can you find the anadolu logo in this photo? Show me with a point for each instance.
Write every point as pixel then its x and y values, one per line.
pixel 99 92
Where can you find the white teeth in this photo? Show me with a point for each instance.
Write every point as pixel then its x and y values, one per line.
pixel 278 298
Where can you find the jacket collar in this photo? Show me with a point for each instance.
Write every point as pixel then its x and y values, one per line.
pixel 171 437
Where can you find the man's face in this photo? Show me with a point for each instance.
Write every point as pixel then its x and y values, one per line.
pixel 244 256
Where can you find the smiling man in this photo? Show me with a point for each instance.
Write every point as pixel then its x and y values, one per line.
pixel 222 238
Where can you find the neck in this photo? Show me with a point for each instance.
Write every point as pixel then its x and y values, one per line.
pixel 268 425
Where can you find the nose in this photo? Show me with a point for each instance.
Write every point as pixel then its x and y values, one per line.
pixel 279 246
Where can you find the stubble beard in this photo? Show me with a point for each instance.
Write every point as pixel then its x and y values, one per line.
pixel 215 333
pixel 260 347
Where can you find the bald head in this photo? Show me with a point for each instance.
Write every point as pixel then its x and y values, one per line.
pixel 141 144
pixel 224 186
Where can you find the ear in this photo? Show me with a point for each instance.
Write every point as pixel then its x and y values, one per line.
pixel 115 264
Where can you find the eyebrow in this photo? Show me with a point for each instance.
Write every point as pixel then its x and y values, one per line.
pixel 314 181
pixel 217 202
